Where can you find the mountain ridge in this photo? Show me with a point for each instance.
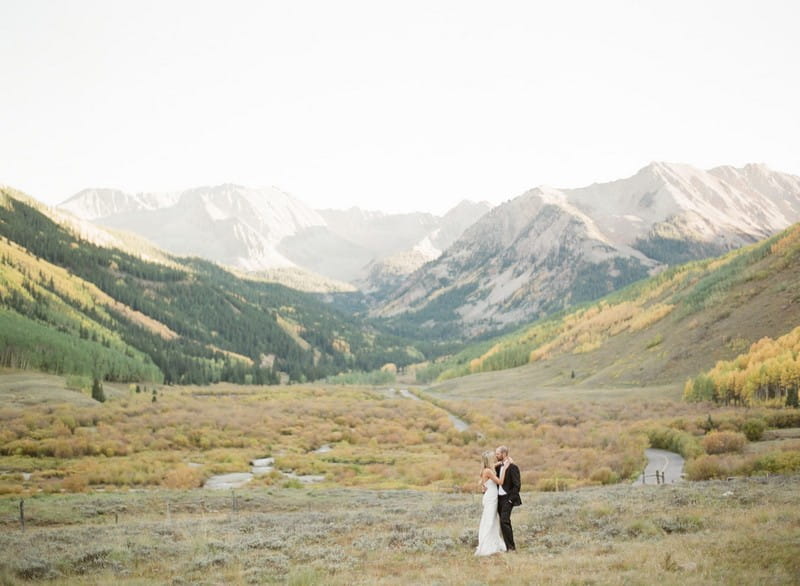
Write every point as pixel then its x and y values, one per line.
pixel 262 229
pixel 551 248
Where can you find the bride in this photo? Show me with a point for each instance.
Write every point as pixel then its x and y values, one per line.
pixel 490 540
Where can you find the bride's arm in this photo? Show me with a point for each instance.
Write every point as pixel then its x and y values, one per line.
pixel 503 473
pixel 498 480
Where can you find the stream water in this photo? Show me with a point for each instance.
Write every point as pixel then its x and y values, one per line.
pixel 258 467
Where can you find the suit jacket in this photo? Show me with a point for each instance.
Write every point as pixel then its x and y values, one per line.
pixel 511 483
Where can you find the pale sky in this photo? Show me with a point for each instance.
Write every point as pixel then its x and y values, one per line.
pixel 395 106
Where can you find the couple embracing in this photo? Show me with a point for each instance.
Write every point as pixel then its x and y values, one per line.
pixel 500 481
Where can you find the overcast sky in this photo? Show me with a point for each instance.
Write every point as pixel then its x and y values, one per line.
pixel 397 106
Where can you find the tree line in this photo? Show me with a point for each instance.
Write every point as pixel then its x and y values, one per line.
pixel 769 373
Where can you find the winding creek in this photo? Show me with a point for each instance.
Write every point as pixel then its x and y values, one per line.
pixel 258 467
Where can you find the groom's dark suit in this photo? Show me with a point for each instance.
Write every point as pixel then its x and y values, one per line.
pixel 506 502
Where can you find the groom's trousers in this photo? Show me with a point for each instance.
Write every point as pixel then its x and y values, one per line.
pixel 504 507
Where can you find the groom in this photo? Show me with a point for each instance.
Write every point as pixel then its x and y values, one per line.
pixel 508 496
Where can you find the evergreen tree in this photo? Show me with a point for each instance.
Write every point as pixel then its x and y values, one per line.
pixel 97 391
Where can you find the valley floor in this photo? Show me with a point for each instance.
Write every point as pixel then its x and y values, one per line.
pixel 740 531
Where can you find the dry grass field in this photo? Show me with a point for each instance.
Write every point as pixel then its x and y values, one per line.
pixel 112 492
pixel 744 531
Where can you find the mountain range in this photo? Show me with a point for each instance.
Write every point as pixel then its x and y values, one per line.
pixel 550 249
pixel 476 269
pixel 263 230
pixel 76 296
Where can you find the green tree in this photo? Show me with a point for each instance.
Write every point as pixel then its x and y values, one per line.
pixel 97 391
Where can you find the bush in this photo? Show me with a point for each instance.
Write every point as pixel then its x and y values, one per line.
pixel 753 429
pixel 183 476
pixel 706 468
pixel 604 475
pixel 723 442
pixel 674 440
pixel 784 418
pixel 552 484
pixel 779 463
pixel 75 483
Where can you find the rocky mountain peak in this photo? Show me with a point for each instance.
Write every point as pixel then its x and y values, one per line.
pixel 550 246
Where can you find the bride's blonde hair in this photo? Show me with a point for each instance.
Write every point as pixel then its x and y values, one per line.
pixel 487 458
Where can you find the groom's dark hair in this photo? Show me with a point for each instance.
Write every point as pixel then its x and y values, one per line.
pixel 503 449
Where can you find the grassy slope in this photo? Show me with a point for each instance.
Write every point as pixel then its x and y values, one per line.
pixel 24 389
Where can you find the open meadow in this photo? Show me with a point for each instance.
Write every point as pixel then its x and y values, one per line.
pixel 743 531
pixel 376 485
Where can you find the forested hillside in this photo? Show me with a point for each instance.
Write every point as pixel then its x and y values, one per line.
pixel 663 329
pixel 70 306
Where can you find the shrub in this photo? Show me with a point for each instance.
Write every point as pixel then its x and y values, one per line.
pixel 643 528
pixel 674 440
pixel 723 442
pixel 183 476
pixel 753 429
pixel 784 418
pixel 10 487
pixel 680 524
pixel 552 484
pixel 604 475
pixel 705 468
pixel 34 569
pixel 75 483
pixel 778 463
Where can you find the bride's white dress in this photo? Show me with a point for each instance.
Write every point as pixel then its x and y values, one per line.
pixel 490 540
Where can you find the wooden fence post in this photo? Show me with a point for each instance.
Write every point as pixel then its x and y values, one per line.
pixel 22 513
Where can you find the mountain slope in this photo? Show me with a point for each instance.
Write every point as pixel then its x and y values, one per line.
pixel 191 319
pixel 549 249
pixel 382 276
pixel 660 331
